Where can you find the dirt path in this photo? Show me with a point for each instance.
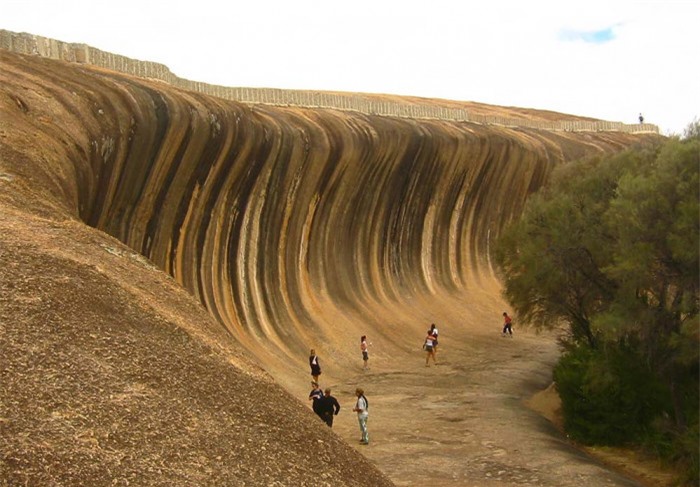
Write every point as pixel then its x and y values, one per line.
pixel 464 422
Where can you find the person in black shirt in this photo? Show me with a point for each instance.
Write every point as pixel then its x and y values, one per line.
pixel 316 395
pixel 329 407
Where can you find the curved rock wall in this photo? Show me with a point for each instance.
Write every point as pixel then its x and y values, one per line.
pixel 290 225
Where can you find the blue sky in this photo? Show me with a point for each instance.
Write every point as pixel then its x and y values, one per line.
pixel 604 59
pixel 600 36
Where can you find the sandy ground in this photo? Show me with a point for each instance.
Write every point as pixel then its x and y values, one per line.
pixel 469 421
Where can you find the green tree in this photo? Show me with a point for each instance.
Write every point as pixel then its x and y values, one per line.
pixel 608 395
pixel 692 131
pixel 611 249
pixel 653 221
pixel 551 258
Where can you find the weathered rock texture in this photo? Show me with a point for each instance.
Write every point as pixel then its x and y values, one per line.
pixel 292 227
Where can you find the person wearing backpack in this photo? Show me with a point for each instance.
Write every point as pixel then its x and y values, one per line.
pixel 362 410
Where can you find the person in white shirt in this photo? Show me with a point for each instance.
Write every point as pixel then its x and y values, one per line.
pixel 434 332
pixel 362 410
pixel 365 351
pixel 428 346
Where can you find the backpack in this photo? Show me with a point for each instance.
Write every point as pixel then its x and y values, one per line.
pixel 366 402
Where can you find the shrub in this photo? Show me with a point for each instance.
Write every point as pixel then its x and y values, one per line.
pixel 607 397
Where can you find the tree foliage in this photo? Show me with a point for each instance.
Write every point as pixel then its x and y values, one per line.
pixel 610 248
pixel 608 396
pixel 692 131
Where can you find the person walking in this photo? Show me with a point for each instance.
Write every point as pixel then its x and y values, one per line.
pixel 434 332
pixel 329 407
pixel 428 346
pixel 314 364
pixel 362 410
pixel 365 351
pixel 316 395
pixel 507 325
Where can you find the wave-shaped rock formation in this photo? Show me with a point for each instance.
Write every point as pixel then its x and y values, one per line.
pixel 291 227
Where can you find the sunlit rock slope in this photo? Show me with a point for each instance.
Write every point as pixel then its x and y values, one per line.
pixel 292 227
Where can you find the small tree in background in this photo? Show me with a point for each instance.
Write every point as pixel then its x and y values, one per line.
pixel 610 248
pixel 692 131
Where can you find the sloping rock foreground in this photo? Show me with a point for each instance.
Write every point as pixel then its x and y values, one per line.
pixel 158 247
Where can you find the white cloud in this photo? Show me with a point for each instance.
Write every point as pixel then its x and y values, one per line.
pixel 500 52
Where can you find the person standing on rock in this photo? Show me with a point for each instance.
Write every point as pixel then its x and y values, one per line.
pixel 314 364
pixel 362 410
pixel 329 407
pixel 316 395
pixel 429 346
pixel 434 332
pixel 365 351
pixel 507 325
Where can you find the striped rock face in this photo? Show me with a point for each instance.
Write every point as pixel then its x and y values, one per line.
pixel 168 258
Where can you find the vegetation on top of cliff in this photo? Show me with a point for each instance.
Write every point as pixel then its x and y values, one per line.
pixel 610 249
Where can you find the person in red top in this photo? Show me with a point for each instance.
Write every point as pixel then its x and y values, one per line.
pixel 507 325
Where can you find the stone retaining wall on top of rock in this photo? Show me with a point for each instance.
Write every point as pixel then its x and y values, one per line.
pixel 23 43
